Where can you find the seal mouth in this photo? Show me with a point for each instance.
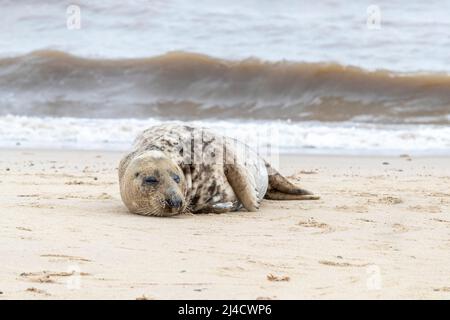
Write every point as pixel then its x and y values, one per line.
pixel 174 211
pixel 169 213
pixel 163 210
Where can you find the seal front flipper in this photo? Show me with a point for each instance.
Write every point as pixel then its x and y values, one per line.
pixel 243 186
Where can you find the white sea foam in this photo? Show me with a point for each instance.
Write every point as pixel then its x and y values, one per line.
pixel 284 137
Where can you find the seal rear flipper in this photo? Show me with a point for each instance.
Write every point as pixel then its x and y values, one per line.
pixel 277 195
pixel 243 186
pixel 279 183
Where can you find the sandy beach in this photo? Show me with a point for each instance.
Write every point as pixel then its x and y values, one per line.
pixel 381 230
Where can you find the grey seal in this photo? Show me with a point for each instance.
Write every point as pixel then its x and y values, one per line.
pixel 175 169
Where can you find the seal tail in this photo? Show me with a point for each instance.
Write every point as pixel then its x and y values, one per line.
pixel 280 188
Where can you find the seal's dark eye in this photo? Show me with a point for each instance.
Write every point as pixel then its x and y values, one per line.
pixel 176 178
pixel 150 180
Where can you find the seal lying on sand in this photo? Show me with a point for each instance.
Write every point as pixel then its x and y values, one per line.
pixel 176 169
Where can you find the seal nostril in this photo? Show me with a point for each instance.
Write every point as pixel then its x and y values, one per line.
pixel 174 203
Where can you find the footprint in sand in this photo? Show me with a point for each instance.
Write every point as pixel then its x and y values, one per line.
pixel 312 223
pixel 366 220
pixel 366 194
pixel 390 200
pixel 342 264
pixel 399 228
pixel 425 209
pixel 63 257
pixel 440 220
pixel 36 205
pixel 272 277
pixel 439 194
pixel 49 276
pixel 357 209
pixel 231 271
pixel 78 182
pixel 38 291
pixel 24 229
pixel 316 171
pixel 102 196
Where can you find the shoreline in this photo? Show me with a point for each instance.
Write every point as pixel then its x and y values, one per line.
pixel 379 231
pixel 311 137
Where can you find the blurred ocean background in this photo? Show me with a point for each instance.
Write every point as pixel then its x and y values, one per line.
pixel 318 77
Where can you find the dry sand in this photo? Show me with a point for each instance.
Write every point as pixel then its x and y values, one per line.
pixel 379 231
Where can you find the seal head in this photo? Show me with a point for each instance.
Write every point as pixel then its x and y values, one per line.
pixel 153 184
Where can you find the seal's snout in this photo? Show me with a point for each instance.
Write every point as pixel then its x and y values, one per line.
pixel 174 203
pixel 173 200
